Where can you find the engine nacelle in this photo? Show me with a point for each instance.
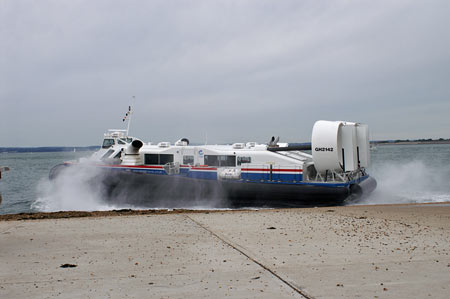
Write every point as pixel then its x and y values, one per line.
pixel 132 156
pixel 133 147
pixel 340 146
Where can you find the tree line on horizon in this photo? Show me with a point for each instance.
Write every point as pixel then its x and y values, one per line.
pixel 48 149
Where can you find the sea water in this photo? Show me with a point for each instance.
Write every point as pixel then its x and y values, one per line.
pixel 405 174
pixel 22 186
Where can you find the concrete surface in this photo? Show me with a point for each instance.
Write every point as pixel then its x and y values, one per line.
pixel 346 252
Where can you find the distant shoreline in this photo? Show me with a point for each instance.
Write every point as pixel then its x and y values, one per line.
pixel 412 142
pixel 48 149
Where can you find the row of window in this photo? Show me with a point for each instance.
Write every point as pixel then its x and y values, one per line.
pixel 242 160
pixel 158 159
pixel 215 160
pixel 188 160
pixel 210 160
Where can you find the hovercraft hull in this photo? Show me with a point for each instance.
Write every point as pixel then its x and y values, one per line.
pixel 148 190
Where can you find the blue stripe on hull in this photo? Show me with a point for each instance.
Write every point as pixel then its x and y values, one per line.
pixel 205 175
pixel 139 170
pixel 184 170
pixel 275 177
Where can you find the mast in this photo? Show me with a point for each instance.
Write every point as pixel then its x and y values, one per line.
pixel 129 119
pixel 128 115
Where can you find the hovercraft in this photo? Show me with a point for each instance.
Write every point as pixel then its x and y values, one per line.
pixel 180 175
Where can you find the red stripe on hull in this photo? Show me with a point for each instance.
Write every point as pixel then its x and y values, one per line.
pixel 134 166
pixel 273 170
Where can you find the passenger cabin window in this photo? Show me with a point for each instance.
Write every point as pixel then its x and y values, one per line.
pixel 188 160
pixel 211 160
pixel 220 160
pixel 151 159
pixel 242 160
pixel 107 143
pixel 227 161
pixel 157 159
pixel 165 158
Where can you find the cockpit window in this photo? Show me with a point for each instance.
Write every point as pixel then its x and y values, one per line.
pixel 107 143
pixel 123 141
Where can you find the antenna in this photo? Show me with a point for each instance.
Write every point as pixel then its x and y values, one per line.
pixel 128 115
pixel 129 119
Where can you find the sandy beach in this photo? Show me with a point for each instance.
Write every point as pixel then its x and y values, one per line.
pixel 382 251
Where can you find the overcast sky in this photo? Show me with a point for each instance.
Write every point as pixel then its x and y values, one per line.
pixel 229 70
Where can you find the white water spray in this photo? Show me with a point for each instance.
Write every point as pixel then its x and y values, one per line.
pixel 82 187
pixel 72 190
pixel 409 182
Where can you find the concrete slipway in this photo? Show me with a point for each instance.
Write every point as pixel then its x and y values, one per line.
pixel 350 252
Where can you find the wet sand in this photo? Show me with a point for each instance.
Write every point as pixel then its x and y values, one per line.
pixel 383 251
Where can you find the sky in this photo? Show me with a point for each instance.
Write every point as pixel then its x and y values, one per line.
pixel 221 71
